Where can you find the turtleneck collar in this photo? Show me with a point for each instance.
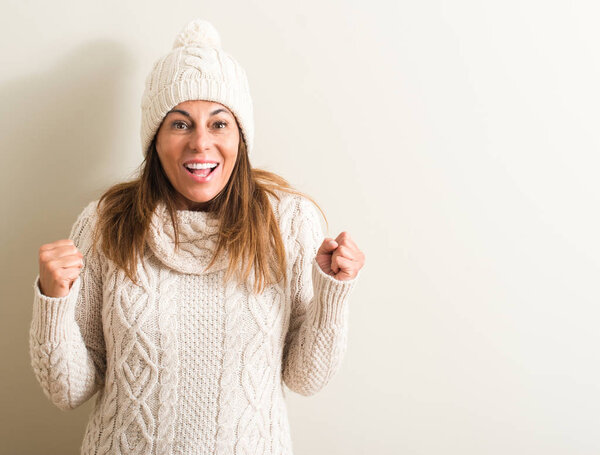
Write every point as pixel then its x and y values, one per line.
pixel 198 236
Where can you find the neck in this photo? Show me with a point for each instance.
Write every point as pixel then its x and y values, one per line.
pixel 186 204
pixel 196 207
pixel 183 203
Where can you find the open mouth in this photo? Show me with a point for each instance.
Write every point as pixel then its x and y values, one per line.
pixel 201 169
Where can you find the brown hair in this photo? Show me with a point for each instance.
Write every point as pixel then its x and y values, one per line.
pixel 248 227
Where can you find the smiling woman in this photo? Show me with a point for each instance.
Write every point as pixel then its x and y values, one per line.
pixel 207 284
pixel 197 145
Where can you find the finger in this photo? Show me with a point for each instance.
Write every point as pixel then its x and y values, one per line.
pixel 342 236
pixel 337 256
pixel 67 251
pixel 62 275
pixel 71 274
pixel 327 246
pixel 66 262
pixel 351 243
pixel 355 253
pixel 346 268
pixel 346 252
pixel 68 276
pixel 345 239
pixel 58 243
pixel 62 251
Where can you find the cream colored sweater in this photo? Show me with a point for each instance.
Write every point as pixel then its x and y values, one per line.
pixel 185 363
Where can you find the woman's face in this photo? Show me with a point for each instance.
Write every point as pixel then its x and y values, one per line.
pixel 197 146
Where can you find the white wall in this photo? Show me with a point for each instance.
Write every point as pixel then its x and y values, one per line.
pixel 456 141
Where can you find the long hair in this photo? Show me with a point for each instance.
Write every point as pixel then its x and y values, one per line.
pixel 248 228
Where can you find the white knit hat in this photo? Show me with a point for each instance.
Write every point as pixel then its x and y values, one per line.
pixel 196 69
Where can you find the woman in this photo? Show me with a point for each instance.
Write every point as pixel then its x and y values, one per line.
pixel 187 297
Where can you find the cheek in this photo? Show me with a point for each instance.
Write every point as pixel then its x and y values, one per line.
pixel 230 155
pixel 164 163
pixel 166 156
pixel 230 160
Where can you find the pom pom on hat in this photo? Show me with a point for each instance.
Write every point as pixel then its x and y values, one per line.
pixel 198 33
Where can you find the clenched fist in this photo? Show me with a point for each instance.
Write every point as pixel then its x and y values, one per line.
pixel 340 258
pixel 60 265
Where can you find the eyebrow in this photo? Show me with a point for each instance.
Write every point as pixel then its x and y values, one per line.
pixel 187 114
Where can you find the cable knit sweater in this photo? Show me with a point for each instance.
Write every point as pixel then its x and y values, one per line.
pixel 185 363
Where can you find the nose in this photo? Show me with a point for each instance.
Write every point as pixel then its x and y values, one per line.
pixel 200 140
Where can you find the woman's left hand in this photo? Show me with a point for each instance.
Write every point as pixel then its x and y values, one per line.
pixel 340 258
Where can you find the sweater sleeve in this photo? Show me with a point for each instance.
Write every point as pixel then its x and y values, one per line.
pixel 317 336
pixel 66 342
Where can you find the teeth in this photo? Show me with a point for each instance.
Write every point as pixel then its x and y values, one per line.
pixel 200 165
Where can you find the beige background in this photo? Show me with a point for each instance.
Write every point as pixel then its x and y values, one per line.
pixel 457 142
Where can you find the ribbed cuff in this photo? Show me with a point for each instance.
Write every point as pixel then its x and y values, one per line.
pixel 54 317
pixel 330 296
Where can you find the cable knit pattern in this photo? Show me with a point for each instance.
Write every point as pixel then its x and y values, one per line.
pixel 184 362
pixel 198 239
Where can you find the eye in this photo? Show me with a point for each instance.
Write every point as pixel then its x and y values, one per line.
pixel 179 125
pixel 220 124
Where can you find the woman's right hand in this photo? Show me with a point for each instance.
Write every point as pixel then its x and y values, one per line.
pixel 60 265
